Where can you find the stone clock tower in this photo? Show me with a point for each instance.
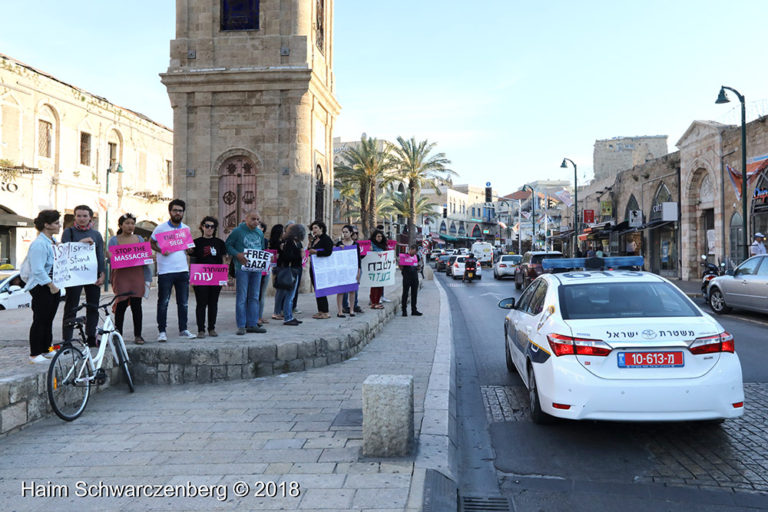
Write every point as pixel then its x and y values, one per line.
pixel 251 86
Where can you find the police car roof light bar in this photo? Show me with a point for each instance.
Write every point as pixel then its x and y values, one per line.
pixel 592 263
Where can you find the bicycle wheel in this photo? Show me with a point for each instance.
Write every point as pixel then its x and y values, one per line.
pixel 69 383
pixel 122 360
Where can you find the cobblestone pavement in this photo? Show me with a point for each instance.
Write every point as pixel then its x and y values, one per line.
pixel 731 456
pixel 275 430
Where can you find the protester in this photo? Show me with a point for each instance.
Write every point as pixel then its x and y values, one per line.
pixel 322 247
pixel 345 299
pixel 247 283
pixel 378 244
pixel 209 250
pixel 82 231
pixel 298 278
pixel 289 255
pixel 172 273
pixel 346 241
pixel 264 280
pixel 129 279
pixel 274 244
pixel 757 246
pixel 411 282
pixel 45 294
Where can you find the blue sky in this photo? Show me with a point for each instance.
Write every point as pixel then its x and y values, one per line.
pixel 505 88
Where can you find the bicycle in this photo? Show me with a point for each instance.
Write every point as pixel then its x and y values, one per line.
pixel 72 370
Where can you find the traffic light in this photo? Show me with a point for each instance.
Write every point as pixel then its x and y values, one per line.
pixel 488 195
pixel 445 213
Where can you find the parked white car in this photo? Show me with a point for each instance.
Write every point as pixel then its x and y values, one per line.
pixel 12 296
pixel 506 265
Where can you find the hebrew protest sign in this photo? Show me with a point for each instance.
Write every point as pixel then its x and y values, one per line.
pixel 201 274
pixel 392 244
pixel 130 255
pixel 336 273
pixel 258 260
pixel 378 269
pixel 176 240
pixel 74 264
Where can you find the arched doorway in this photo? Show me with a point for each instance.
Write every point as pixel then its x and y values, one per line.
pixel 477 232
pixel 319 193
pixel 663 236
pixel 442 228
pixel 237 192
pixel 760 204
pixel 736 233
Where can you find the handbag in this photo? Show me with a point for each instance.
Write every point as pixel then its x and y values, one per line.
pixel 285 278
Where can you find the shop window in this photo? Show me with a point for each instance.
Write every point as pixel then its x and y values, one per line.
pixel 239 14
pixel 45 141
pixel 85 148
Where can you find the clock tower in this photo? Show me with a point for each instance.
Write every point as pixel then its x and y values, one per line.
pixel 252 90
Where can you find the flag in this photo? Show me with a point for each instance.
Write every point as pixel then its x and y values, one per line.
pixel 754 167
pixel 565 197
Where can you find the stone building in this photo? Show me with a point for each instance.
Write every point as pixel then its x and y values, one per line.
pixel 619 153
pixel 252 89
pixel 57 142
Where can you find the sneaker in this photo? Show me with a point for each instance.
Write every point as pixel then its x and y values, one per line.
pixel 292 322
pixel 38 359
pixel 255 329
pixel 201 334
pixel 49 355
pixel 186 334
pixel 162 337
pixel 416 313
pixel 384 299
pixel 212 333
pixel 240 331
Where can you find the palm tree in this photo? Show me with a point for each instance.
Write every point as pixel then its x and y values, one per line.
pixel 417 168
pixel 366 166
pixel 349 206
pixel 401 204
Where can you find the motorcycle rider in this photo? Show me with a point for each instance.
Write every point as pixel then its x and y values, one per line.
pixel 470 263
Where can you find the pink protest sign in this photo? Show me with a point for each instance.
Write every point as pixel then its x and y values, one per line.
pixel 272 262
pixel 130 255
pixel 208 275
pixel 176 240
pixel 391 245
pixel 406 260
pixel 365 247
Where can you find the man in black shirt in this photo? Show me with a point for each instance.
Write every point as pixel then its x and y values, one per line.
pixel 411 282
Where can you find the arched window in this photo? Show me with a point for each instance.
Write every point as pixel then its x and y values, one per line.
pixel 462 231
pixel 46 132
pixel 477 232
pixel 442 227
pixel 452 231
pixel 319 193
pixel 631 206
pixel 662 196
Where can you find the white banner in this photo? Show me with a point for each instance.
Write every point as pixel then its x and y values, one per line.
pixel 74 264
pixel 258 261
pixel 336 273
pixel 378 269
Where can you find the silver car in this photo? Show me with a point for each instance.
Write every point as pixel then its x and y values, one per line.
pixel 506 265
pixel 747 288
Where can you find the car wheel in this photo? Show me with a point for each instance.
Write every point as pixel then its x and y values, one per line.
pixel 534 405
pixel 717 301
pixel 495 276
pixel 510 365
pixel 518 283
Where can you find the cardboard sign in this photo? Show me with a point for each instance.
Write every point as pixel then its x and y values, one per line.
pixel 406 260
pixel 337 273
pixel 175 240
pixel 365 246
pixel 202 274
pixel 378 269
pixel 258 260
pixel 130 255
pixel 74 264
pixel 272 262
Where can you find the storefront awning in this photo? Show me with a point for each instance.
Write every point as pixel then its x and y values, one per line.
pixel 450 238
pixel 15 221
pixel 655 224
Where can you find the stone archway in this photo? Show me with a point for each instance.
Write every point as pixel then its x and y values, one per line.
pixel 703 220
pixel 237 191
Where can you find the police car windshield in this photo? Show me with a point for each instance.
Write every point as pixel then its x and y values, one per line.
pixel 623 300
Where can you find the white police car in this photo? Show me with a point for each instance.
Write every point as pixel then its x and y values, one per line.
pixel 619 345
pixel 12 294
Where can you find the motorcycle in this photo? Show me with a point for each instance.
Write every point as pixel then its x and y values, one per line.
pixel 711 271
pixel 469 273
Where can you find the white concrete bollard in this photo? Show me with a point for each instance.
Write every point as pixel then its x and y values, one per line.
pixel 387 415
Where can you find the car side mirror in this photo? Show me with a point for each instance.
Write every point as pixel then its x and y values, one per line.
pixel 507 303
pixel 14 288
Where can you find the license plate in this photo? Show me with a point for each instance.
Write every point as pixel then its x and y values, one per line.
pixel 470 274
pixel 650 359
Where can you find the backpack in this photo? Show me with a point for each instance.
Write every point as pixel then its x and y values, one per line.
pixel 25 270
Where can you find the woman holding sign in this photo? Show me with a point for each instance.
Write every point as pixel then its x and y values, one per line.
pixel 347 240
pixel 209 250
pixel 322 247
pixel 378 244
pixel 135 279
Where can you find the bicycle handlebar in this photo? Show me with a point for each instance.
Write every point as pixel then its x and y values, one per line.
pixel 106 304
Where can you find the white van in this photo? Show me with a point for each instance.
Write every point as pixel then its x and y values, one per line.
pixel 483 252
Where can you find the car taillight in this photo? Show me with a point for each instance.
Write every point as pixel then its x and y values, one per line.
pixel 456 265
pixel 501 265
pixel 722 342
pixel 568 345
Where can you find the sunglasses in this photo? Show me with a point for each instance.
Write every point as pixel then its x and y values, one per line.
pixel 209 226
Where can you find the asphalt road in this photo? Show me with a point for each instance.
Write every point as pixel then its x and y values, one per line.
pixel 574 466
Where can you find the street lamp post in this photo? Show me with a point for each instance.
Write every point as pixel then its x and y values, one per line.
pixel 106 220
pixel 533 215
pixel 722 98
pixel 575 203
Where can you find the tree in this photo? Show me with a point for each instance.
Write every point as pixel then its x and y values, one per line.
pixel 366 166
pixel 418 168
pixel 401 204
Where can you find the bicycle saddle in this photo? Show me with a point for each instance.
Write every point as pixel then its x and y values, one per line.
pixel 76 321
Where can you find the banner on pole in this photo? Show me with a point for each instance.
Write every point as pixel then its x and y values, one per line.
pixel 74 264
pixel 130 255
pixel 378 269
pixel 201 274
pixel 336 273
pixel 176 240
pixel 258 260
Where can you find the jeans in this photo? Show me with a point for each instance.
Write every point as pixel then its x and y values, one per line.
pixel 263 294
pixel 165 282
pixel 284 298
pixel 247 288
pixel 44 306
pixel 207 297
pixel 298 283
pixel 92 294
pixel 138 316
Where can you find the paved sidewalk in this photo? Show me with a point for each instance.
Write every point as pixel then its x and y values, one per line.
pixel 692 287
pixel 297 427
